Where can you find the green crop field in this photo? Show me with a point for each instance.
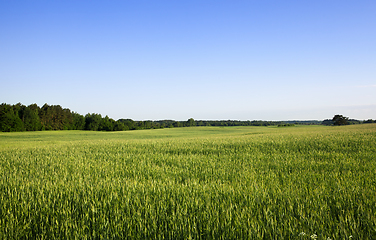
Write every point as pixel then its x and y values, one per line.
pixel 302 182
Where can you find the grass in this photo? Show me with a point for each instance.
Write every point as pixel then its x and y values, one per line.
pixel 190 183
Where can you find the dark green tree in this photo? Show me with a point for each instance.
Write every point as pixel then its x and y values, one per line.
pixel 370 121
pixel 9 119
pixel 128 123
pixel 340 120
pixel 327 122
pixel 119 126
pixel 148 124
pixel 31 118
pixel 106 124
pixel 201 123
pixel 54 117
pixel 191 122
pixel 66 119
pixel 78 121
pixel 92 121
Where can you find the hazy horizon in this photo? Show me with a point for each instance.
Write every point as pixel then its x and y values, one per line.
pixel 207 60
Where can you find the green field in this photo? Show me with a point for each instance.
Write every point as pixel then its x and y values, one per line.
pixel 302 182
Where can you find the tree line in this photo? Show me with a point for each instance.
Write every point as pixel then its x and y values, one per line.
pixel 339 120
pixel 18 117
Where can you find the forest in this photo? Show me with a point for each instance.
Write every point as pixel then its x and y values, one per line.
pixel 18 118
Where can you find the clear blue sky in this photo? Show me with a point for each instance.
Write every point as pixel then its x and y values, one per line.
pixel 241 60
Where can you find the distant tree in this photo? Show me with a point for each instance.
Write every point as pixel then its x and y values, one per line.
pixel 9 119
pixel 119 126
pixel 106 124
pixel 286 125
pixel 139 125
pixel 92 121
pixel 191 122
pixel 31 118
pixel 327 122
pixel 370 121
pixel 340 120
pixel 148 124
pixel 66 119
pixel 200 123
pixel 54 117
pixel 78 121
pixel 128 123
pixel 353 121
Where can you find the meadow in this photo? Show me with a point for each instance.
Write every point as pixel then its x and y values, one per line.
pixel 302 182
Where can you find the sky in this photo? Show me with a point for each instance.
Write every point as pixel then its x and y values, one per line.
pixel 201 59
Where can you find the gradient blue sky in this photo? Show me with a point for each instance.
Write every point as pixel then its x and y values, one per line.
pixel 244 60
